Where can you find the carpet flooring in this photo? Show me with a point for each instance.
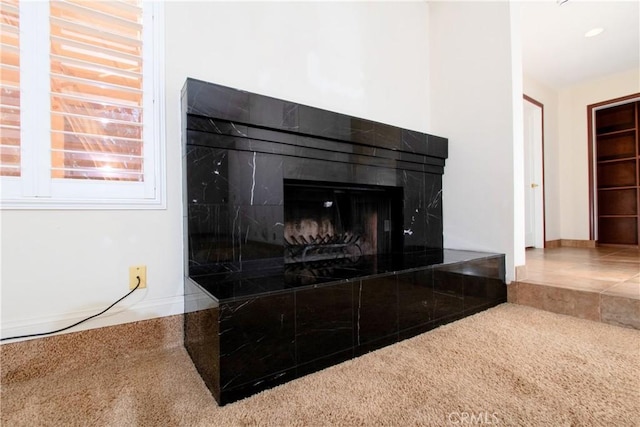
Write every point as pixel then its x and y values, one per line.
pixel 511 365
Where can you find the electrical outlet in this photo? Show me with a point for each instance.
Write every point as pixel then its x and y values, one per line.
pixel 135 272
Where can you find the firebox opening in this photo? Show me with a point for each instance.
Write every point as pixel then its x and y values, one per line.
pixel 327 221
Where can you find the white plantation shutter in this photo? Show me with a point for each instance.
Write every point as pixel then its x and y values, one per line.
pixel 90 123
pixel 9 88
pixel 96 90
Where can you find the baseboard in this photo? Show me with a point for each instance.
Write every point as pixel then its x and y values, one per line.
pixel 521 272
pixel 120 314
pixel 569 243
pixel 64 353
pixel 552 244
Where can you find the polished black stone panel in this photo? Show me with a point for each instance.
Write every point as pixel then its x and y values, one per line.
pixel 260 232
pixel 201 334
pixel 254 179
pixel 437 146
pixel 216 101
pixel 217 127
pixel 257 339
pixel 223 237
pixel 207 180
pixel 469 286
pixel 448 293
pixel 375 309
pixel 328 124
pixel 218 176
pixel 324 321
pixel 211 235
pixel 273 113
pixel 416 300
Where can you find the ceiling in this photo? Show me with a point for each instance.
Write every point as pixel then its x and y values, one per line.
pixel 555 51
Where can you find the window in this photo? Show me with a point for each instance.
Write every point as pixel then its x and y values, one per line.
pixel 10 90
pixel 81 103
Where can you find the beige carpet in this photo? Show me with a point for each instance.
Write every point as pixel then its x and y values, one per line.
pixel 511 365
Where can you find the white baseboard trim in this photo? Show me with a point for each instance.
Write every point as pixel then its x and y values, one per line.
pixel 122 313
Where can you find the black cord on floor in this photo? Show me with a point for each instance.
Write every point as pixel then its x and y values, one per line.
pixel 75 324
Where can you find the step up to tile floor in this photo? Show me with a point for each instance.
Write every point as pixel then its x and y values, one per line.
pixel 601 284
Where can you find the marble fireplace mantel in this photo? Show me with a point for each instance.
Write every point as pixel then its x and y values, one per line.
pixel 252 321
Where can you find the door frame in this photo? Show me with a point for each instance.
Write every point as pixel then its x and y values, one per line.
pixel 544 188
pixel 591 110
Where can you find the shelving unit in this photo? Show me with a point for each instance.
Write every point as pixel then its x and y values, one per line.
pixel 618 180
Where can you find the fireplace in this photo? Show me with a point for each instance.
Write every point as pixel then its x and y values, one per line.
pixel 311 237
pixel 325 221
pixel 329 226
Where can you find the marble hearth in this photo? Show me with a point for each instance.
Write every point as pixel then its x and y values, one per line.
pixel 312 237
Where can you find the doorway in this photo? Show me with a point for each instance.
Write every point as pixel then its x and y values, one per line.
pixel 534 172
pixel 614 152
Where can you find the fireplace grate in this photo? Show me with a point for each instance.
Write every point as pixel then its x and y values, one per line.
pixel 308 249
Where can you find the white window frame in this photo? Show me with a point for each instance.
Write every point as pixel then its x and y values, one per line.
pixel 35 188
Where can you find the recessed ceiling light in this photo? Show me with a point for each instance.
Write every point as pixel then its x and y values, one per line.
pixel 594 32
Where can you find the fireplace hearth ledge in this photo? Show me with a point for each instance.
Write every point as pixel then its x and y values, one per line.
pixel 247 342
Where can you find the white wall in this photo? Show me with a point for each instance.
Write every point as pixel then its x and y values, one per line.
pixel 363 59
pixel 475 93
pixel 60 266
pixel 573 146
pixel 352 58
pixel 549 98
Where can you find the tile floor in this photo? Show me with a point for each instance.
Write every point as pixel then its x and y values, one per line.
pixel 601 284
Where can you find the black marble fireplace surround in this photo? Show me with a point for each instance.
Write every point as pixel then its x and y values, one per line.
pixel 312 237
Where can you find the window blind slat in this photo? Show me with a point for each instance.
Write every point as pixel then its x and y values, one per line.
pixel 108 89
pixel 96 175
pixel 9 48
pixel 87 155
pixel 9 31
pixel 104 138
pixel 83 30
pixel 91 10
pixel 109 93
pixel 94 108
pixel 10 116
pixel 106 173
pixel 100 69
pixel 10 78
pixel 100 53
pixel 98 127
pixel 10 96
pixel 9 155
pixel 120 7
pixel 87 160
pixel 9 8
pixel 132 123
pixel 11 137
